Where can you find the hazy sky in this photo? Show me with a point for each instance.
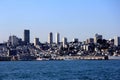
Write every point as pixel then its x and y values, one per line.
pixel 71 18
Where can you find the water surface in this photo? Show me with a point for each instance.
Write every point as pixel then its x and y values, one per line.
pixel 60 70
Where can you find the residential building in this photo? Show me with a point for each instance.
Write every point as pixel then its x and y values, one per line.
pixel 57 38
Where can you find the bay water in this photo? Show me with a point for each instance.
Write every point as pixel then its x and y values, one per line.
pixel 60 70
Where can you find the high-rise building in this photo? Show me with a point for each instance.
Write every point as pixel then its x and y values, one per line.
pixel 13 40
pixel 97 36
pixel 50 38
pixel 57 38
pixel 117 41
pixel 27 36
pixel 36 41
pixel 64 41
pixel 75 40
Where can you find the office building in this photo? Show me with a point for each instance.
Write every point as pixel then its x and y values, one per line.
pixel 90 40
pixel 36 41
pixel 13 40
pixel 117 41
pixel 50 38
pixel 64 41
pixel 57 38
pixel 27 36
pixel 97 36
pixel 75 40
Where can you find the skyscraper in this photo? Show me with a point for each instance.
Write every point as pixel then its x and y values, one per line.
pixel 57 38
pixel 27 36
pixel 117 41
pixel 50 38
pixel 64 41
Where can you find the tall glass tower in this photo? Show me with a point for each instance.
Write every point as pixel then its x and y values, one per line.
pixel 27 36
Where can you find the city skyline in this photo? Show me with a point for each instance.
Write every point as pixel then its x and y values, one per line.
pixel 80 19
pixel 56 38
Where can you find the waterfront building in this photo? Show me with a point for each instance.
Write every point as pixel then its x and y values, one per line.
pixel 50 38
pixel 97 36
pixel 36 41
pixel 27 36
pixel 64 41
pixel 117 41
pixel 57 38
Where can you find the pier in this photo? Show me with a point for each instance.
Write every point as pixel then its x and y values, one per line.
pixel 81 58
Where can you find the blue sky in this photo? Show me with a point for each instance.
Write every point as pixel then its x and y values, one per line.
pixel 71 18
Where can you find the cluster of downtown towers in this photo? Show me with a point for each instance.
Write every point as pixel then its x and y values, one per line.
pixel 57 39
pixel 50 38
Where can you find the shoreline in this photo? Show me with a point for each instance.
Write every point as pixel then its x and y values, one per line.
pixel 62 58
pixel 57 58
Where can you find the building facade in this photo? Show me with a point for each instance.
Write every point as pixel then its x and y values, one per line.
pixel 97 36
pixel 117 41
pixel 57 38
pixel 27 36
pixel 36 41
pixel 64 41
pixel 90 40
pixel 13 40
pixel 75 40
pixel 50 38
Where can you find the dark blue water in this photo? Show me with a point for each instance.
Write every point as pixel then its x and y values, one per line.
pixel 61 70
